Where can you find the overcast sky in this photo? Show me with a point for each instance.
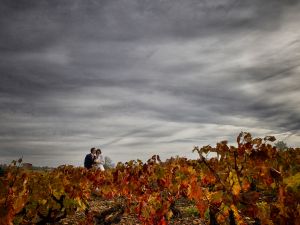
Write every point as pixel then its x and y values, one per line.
pixel 144 77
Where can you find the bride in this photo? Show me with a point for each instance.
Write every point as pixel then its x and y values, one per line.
pixel 99 160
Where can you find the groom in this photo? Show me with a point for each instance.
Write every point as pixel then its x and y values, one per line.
pixel 89 159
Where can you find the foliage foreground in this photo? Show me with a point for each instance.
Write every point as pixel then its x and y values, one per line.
pixel 252 183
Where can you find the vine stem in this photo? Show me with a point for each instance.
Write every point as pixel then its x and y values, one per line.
pixel 237 170
pixel 202 159
pixel 13 183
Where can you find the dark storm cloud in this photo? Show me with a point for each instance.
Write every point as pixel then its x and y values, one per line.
pixel 28 25
pixel 144 77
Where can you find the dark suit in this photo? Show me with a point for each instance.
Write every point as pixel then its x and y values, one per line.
pixel 88 161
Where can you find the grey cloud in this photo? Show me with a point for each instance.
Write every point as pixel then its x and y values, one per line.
pixel 138 77
pixel 46 22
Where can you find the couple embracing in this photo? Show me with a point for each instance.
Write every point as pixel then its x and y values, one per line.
pixel 94 159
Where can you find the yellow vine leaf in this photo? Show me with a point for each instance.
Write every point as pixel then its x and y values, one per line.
pixel 236 189
pixel 293 181
pixel 239 220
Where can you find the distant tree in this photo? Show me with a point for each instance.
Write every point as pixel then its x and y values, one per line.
pixel 108 164
pixel 281 145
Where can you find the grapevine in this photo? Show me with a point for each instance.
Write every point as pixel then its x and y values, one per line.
pixel 252 183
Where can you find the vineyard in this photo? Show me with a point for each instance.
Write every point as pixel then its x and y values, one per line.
pixel 252 183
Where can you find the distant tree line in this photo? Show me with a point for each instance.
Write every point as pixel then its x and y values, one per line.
pixel 281 145
pixel 108 163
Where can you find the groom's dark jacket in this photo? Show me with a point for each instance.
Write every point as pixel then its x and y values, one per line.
pixel 88 161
